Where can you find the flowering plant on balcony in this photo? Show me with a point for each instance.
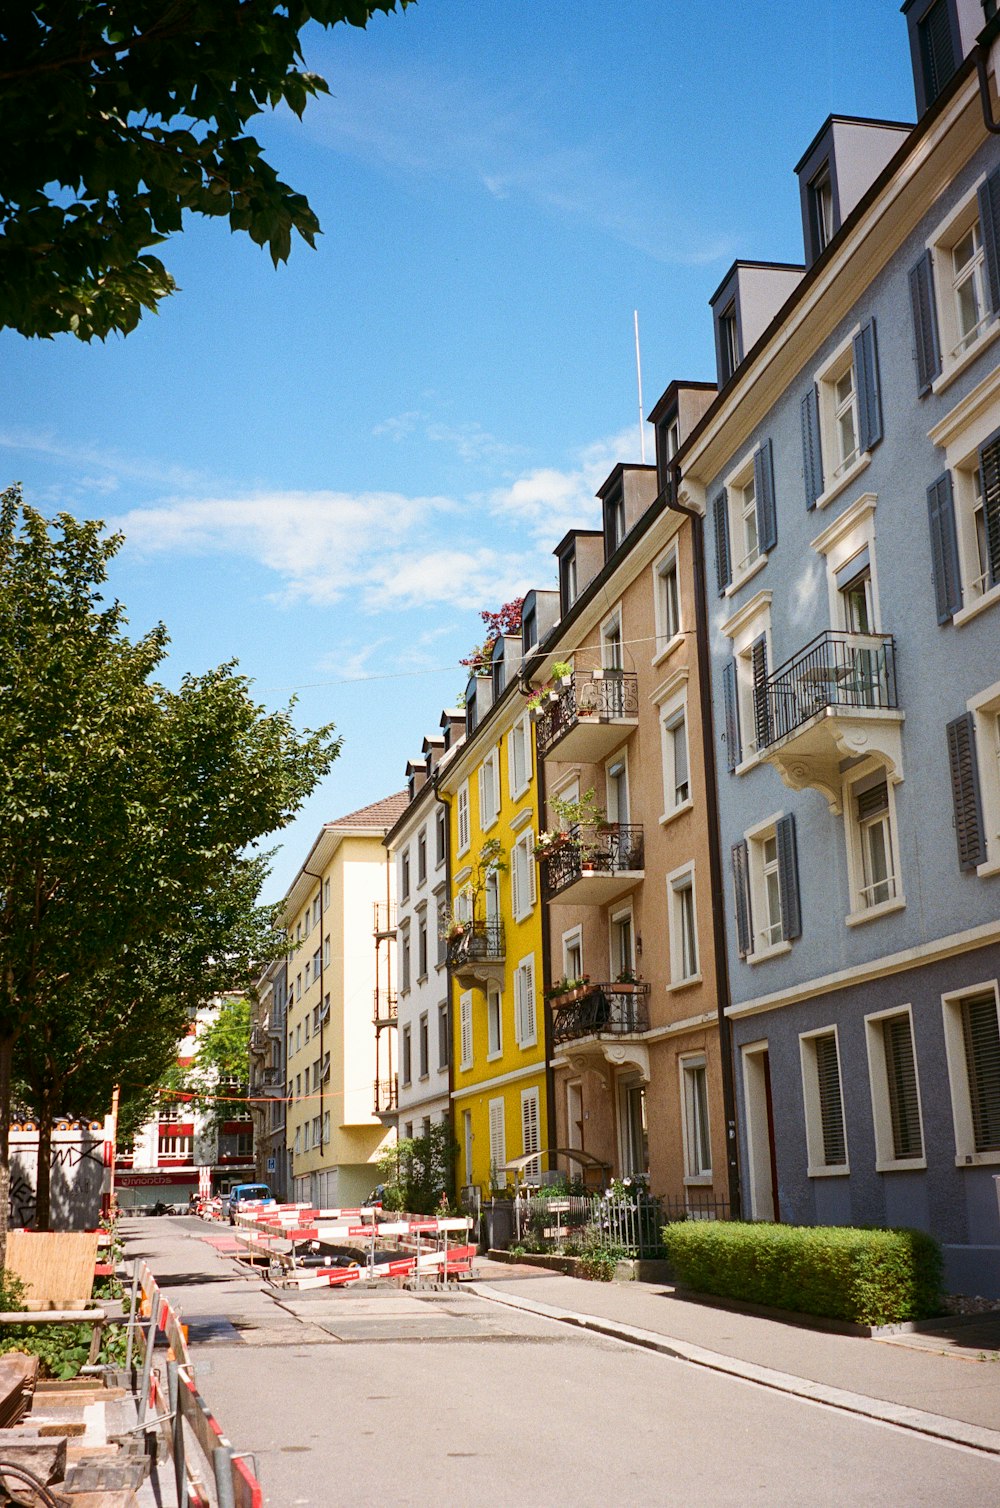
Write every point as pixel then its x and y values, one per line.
pixel 565 985
pixel 454 927
pixel 627 976
pixel 551 842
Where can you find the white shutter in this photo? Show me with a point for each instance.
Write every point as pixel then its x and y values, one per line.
pixel 515 884
pixel 498 1139
pixel 495 772
pixel 465 1020
pixel 528 755
pixel 529 859
pixel 528 1032
pixel 463 817
pixel 483 814
pixel 517 1005
pixel 511 763
pixel 530 1138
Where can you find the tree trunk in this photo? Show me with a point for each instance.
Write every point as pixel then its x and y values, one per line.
pixel 6 1066
pixel 43 1184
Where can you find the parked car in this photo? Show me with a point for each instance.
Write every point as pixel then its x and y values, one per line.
pixel 243 1194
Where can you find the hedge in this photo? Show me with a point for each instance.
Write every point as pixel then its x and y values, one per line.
pixel 873 1277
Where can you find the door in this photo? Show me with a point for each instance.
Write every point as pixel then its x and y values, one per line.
pixel 763 1165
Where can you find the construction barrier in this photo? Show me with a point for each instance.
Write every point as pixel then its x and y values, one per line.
pixel 394 1245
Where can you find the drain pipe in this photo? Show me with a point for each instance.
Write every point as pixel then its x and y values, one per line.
pixel 671 495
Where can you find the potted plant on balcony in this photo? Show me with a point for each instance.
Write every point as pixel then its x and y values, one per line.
pixel 566 990
pixel 627 982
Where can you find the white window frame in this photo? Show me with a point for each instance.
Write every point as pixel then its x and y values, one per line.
pixel 674 709
pixel 961 435
pixel 525 1004
pixel 956 353
pixel 612 625
pixel 696 1172
pixel 616 784
pixel 523 879
pixel 572 940
pixel 742 630
pixel 615 919
pixel 406 1057
pixel 494 1022
pixel 463 818
pixel 668 634
pixel 741 499
pixel 861 911
pixel 489 791
pixel 847 536
pixel 519 737
pixel 466 1043
pixel 840 472
pixel 757 892
pixel 679 882
pixel 816 1152
pixel 497 1113
pixel 531 1130
pixel 985 709
pixel 886 1160
pixel 966 1154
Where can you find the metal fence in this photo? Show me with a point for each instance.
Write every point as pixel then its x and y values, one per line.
pixel 843 671
pixel 633 1224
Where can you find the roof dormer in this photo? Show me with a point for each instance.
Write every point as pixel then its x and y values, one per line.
pixel 744 304
pixel 505 662
pixel 674 416
pixel 837 168
pixel 942 34
pixel 625 496
pixel 580 554
pixel 539 615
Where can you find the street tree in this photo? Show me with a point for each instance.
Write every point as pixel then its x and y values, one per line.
pixel 123 803
pixel 117 117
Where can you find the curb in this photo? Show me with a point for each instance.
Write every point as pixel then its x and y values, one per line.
pixel 937 1426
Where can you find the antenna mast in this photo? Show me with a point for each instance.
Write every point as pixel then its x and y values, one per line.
pixel 638 378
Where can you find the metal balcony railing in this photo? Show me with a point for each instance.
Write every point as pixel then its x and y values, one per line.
pixel 612 1010
pixel 607 696
pixel 618 848
pixel 386 1095
pixel 479 942
pixel 385 1008
pixel 841 671
pixel 259 1040
pixel 385 918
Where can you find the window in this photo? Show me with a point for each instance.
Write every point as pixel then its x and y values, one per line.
pixel 308 965
pixel 404 874
pixel 467 1143
pixel 729 343
pixel 634 1126
pixel 326 894
pixel 744 680
pixel 871 828
pixel 955 288
pixel 530 1131
pixel 424 1046
pixel 745 518
pixel 667 602
pixel 441 824
pixel 404 959
pixel 572 952
pixel 494 1024
pixel 972 1040
pixel 676 773
pixel 616 790
pixel 316 910
pixel 614 521
pixel 464 831
pixel 935 51
pixel 489 791
pixel 407 1055
pixel 326 952
pixel 180 1147
pixel 892 1071
pixel 522 876
pixel 519 757
pixel 766 884
pixel 444 1034
pixel 524 1003
pixel 306 1024
pixel 611 644
pixel 821 209
pixel 567 581
pixel 694 1098
pixel 974 752
pixel 298 986
pixel 826 1137
pixel 442 947
pixel 622 953
pixel 498 1144
pixel 683 927
pixel 964 514
pixel 841 417
pixel 465 1031
pixel 421 857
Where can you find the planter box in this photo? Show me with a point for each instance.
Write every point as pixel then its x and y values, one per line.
pixel 570 997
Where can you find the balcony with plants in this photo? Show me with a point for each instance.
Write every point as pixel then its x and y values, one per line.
pixel 585 714
pixel 588 860
pixel 835 699
pixel 581 1009
pixel 473 935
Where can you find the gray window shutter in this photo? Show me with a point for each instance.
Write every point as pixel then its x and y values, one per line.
pixel 989 220
pixel 925 330
pixel 989 474
pixel 969 830
pixel 733 751
pixel 788 878
pixel 741 887
pixel 761 709
pixel 811 453
pixel 944 548
pixel 866 379
pixel 763 480
pixel 723 563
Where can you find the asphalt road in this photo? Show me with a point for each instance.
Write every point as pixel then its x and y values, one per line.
pixel 359 1398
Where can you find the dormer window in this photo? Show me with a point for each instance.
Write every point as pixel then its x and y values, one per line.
pixel 614 522
pixel 529 630
pixel 821 208
pixel 937 52
pixel 567 581
pixel 729 341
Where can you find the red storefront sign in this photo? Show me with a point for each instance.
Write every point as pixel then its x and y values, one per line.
pixel 156 1180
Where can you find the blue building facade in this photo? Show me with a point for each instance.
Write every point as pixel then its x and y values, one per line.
pixel 849 477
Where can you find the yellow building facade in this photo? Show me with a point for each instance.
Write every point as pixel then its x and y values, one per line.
pixel 494 926
pixel 333 1133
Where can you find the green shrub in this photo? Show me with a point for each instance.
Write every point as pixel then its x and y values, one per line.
pixel 598 1258
pixel 873 1277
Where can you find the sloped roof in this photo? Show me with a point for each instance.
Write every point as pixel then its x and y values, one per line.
pixel 379 814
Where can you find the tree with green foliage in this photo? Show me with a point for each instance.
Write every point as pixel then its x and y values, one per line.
pixel 218 1078
pixel 124 805
pixel 117 116
pixel 418 1172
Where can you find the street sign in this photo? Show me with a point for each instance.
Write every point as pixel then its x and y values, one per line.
pixel 272 1164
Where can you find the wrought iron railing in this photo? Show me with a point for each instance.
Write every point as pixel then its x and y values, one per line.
pixel 385 918
pixel 611 1010
pixel 836 669
pixel 386 1095
pixel 603 697
pixel 478 942
pixel 617 848
pixel 384 1008
pixel 258 1039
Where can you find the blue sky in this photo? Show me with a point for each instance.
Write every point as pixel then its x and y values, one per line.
pixel 325 471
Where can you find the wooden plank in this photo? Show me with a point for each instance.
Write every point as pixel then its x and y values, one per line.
pixel 56 1266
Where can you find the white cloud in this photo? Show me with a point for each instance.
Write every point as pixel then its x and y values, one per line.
pixel 549 501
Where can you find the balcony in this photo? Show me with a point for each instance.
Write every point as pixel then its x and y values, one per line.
pixel 600 1010
pixel 476 954
pixel 385 1009
pixel 593 867
pixel 385 919
pixel 259 1039
pixel 275 1024
pixel 834 700
pixel 270 1082
pixel 587 716
pixel 386 1096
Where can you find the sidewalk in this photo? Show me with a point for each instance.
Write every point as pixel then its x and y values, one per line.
pixel 945 1383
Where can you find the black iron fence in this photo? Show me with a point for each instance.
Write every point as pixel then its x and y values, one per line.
pixel 614 1010
pixel 479 942
pixel 612 849
pixel 839 670
pixel 595 696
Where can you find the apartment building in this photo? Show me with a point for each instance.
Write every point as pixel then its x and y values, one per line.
pixel 493 927
pixel 267 1078
pixel 849 474
pixel 417 1007
pixel 331 1127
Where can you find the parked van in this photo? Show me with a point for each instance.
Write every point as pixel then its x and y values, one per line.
pixel 247 1193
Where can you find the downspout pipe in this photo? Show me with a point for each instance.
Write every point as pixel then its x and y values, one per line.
pixel 671 497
